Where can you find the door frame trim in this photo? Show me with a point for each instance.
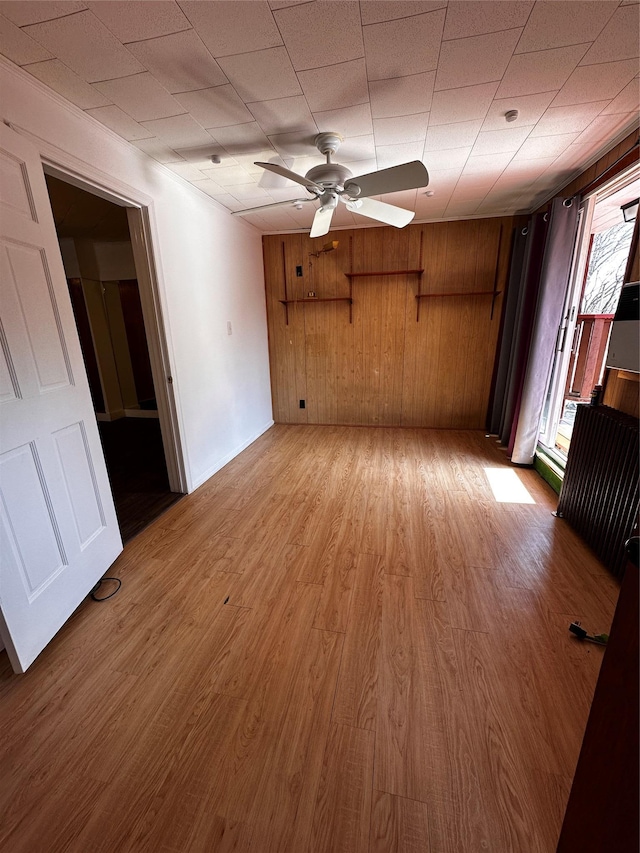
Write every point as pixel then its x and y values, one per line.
pixel 142 225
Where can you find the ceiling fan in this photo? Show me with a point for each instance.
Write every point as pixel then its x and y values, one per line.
pixel 331 183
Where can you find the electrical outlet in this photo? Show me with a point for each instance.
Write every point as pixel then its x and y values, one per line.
pixel 299 271
pixel 303 404
pixel 229 328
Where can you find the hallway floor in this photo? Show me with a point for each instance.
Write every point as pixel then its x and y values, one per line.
pixel 137 472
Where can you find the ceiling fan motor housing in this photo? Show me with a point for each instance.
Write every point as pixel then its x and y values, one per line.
pixel 329 175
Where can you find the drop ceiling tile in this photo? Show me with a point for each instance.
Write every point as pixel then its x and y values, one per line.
pixel 476 59
pixel 283 115
pixel 241 138
pixel 61 79
pixel 400 96
pixel 179 132
pixel 571 119
pixel 141 96
pixel 335 86
pixel 228 201
pixel 17 46
pixel 545 146
pixel 394 155
pixel 628 101
pixel 158 150
pixel 34 11
pixel 596 82
pixel 465 104
pixel 295 144
pixel 524 172
pixel 83 43
pixel 404 198
pixel 339 26
pixel 461 208
pixel 474 186
pixel 135 21
pixel 457 135
pixel 262 75
pixel 357 148
pixel 453 158
pixel 603 128
pixel 530 108
pixel 487 164
pixel 383 10
pixel 249 192
pixel 120 122
pixel 180 62
pixel 219 106
pixel 228 176
pixel 267 155
pixel 500 141
pixel 400 48
pixel 280 220
pixel 470 18
pixel 352 121
pixel 230 28
pixel 208 186
pixel 187 171
pixel 559 24
pixel 200 155
pixel 618 40
pixel 542 71
pixel 443 182
pixel 389 131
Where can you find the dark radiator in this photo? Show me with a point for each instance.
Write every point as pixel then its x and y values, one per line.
pixel 600 492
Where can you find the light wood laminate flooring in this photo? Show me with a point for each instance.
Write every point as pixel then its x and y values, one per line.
pixel 341 643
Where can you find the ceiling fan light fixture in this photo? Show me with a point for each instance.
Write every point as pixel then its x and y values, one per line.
pixel 331 182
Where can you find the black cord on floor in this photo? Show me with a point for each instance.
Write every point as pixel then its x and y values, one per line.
pixel 92 594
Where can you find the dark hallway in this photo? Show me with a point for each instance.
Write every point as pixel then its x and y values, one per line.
pixel 137 471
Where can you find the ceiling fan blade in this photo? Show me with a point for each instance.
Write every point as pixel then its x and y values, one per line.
pixel 292 176
pixel 321 222
pixel 408 176
pixel 387 213
pixel 290 202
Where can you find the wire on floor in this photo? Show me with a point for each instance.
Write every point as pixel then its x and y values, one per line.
pixel 93 595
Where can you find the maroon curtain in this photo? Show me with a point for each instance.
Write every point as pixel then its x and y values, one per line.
pixel 554 280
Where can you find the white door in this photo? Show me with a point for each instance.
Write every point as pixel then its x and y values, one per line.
pixel 58 527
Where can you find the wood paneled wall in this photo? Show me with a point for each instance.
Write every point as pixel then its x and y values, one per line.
pixel 386 366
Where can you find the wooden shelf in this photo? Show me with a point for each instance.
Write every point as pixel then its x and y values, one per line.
pixel 460 293
pixel 317 299
pixel 311 299
pixel 387 272
pixel 492 293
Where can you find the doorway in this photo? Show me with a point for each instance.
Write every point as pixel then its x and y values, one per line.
pixel 102 278
pixel 600 259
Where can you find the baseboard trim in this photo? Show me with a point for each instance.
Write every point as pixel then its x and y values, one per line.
pixel 198 481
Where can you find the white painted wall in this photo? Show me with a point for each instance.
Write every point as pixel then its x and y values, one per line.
pixel 209 269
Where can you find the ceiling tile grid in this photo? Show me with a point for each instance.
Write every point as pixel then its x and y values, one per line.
pixel 425 79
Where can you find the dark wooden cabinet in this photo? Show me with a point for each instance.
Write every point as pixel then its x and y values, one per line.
pixel 602 812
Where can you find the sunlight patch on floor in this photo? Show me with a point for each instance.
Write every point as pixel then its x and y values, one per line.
pixel 507 487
